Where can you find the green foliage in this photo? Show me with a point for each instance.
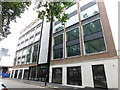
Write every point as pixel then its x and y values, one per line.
pixel 52 10
pixel 11 10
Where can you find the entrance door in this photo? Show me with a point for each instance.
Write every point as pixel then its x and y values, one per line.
pixel 99 76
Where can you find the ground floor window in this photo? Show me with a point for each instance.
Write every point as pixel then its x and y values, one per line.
pixel 57 75
pixel 32 73
pixel 74 76
pixel 99 76
pixel 25 76
pixel 16 72
pixel 39 73
pixel 42 73
pixel 20 74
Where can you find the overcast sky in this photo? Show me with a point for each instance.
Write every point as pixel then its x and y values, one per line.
pixel 11 41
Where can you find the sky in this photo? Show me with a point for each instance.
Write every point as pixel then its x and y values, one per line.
pixel 30 15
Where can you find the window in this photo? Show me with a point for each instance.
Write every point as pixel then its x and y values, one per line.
pixel 58 40
pixel 16 72
pixel 57 75
pixel 99 76
pixel 74 76
pixel 72 20
pixel 73 44
pixel 32 73
pixel 42 73
pixel 58 47
pixel 29 55
pixel 35 53
pixel 89 12
pixel 93 46
pixel 73 34
pixel 93 37
pixel 20 74
pixel 58 27
pixel 73 50
pixel 25 76
pixel 58 53
pixel 92 27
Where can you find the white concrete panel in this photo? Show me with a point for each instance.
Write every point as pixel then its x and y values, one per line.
pixel 44 43
pixel 110 66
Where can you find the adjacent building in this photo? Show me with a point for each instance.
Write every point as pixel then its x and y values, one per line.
pixel 33 43
pixel 81 53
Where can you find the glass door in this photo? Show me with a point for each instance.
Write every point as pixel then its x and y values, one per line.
pixel 99 76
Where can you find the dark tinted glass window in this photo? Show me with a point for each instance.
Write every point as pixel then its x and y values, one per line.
pixel 25 76
pixel 74 76
pixel 93 46
pixel 73 50
pixel 20 74
pixel 58 40
pixel 93 36
pixel 99 76
pixel 72 35
pixel 57 75
pixel 58 53
pixel 92 27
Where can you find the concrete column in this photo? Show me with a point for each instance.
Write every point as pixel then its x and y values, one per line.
pixel 64 75
pixel 18 73
pixel 50 75
pixel 87 77
pixel 22 73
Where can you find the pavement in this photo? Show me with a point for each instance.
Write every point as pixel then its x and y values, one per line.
pixel 20 84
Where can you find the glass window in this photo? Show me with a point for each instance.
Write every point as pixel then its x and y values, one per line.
pixel 72 35
pixel 25 76
pixel 16 72
pixel 99 76
pixel 20 74
pixel 93 46
pixel 74 76
pixel 36 47
pixel 57 75
pixel 42 73
pixel 58 39
pixel 32 73
pixel 89 12
pixel 58 53
pixel 96 44
pixel 73 50
pixel 72 20
pixel 58 27
pixel 92 27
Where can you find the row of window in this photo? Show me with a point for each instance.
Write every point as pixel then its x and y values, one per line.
pixel 27 41
pixel 25 75
pixel 93 41
pixel 91 10
pixel 27 55
pixel 74 76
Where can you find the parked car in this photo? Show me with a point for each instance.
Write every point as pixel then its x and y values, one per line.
pixel 2 86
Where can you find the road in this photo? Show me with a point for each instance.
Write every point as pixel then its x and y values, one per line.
pixel 13 85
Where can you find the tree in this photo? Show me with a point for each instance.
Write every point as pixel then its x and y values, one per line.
pixel 53 10
pixel 10 11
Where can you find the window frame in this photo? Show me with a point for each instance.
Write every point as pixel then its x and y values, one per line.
pixel 85 54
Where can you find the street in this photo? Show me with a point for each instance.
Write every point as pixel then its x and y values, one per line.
pixel 13 85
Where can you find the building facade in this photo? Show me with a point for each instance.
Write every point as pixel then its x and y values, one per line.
pixel 33 43
pixel 83 50
pixel 82 53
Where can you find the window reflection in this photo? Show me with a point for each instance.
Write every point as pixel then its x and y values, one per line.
pixel 89 12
